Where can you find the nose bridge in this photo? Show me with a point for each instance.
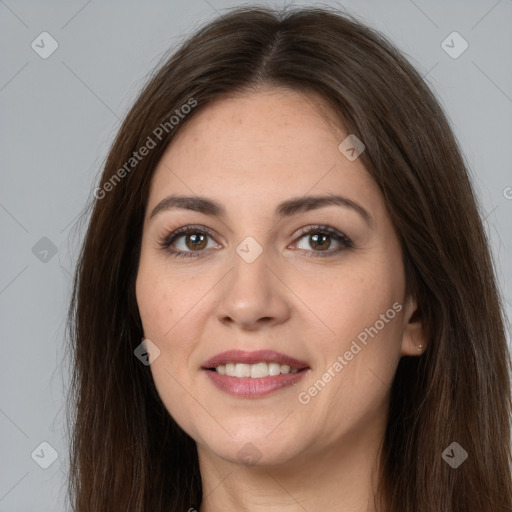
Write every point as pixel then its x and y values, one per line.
pixel 251 276
pixel 252 292
pixel 250 256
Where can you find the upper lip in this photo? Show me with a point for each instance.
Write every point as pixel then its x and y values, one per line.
pixel 257 356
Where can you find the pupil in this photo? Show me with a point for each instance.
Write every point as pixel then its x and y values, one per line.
pixel 196 240
pixel 316 237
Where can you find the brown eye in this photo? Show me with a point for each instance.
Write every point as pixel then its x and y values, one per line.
pixel 321 239
pixel 193 241
pixel 321 242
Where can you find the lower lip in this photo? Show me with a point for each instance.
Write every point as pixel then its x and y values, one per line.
pixel 247 387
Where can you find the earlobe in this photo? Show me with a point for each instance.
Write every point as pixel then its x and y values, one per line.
pixel 413 335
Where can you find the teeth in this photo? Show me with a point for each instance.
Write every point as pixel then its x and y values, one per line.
pixel 242 370
pixel 258 370
pixel 254 371
pixel 274 369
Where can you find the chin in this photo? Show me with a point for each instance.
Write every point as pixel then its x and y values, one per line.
pixel 251 447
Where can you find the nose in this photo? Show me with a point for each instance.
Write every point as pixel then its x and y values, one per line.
pixel 253 295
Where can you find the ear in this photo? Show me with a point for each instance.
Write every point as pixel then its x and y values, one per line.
pixel 413 336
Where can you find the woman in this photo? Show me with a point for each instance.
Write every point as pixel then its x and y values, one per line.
pixel 285 298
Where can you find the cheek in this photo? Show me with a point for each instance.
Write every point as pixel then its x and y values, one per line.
pixel 355 297
pixel 352 384
pixel 157 299
pixel 164 293
pixel 160 311
pixel 150 300
pixel 364 314
pixel 170 312
pixel 159 315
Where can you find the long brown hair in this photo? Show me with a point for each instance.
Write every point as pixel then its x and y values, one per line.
pixel 127 453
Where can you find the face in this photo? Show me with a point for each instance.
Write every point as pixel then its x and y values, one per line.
pixel 312 288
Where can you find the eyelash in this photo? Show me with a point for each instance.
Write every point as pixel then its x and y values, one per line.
pixel 167 241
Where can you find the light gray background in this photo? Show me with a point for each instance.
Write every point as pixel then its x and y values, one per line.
pixel 60 114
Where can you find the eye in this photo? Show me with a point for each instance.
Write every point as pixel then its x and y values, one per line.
pixel 320 239
pixel 195 241
pixel 194 238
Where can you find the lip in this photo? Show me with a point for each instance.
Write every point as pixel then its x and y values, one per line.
pixel 254 357
pixel 247 387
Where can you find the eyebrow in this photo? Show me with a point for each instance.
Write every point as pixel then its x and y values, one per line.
pixel 285 209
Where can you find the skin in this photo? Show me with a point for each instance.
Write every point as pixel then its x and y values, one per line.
pixel 250 153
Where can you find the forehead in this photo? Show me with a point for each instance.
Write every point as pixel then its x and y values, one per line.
pixel 260 147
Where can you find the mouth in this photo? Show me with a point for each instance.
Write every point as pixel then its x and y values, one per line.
pixel 254 374
pixel 255 371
